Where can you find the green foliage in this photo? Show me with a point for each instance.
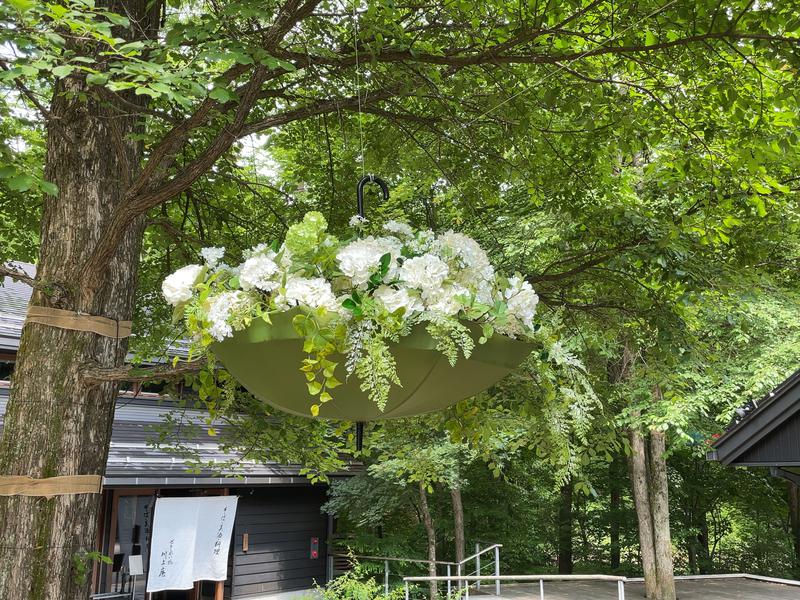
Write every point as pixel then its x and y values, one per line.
pixel 354 586
pixel 82 564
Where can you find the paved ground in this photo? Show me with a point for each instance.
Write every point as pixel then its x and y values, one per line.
pixel 705 589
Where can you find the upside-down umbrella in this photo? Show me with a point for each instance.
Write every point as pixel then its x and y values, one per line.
pixel 264 358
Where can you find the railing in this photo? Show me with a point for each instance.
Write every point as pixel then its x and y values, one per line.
pixel 450 578
pixel 540 578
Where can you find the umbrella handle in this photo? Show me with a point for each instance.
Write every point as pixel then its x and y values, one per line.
pixel 360 190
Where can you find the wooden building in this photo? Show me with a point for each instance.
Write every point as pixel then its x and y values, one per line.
pixel 279 540
pixel 766 433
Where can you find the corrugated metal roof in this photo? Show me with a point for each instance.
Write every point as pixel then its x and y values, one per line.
pixel 133 461
pixel 14 297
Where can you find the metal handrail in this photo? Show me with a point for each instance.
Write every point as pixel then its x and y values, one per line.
pixel 540 578
pixel 449 564
pixel 484 551
pixel 393 558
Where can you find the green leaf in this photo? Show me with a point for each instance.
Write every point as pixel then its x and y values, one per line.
pixel 63 70
pixel 21 182
pixel 314 387
pixel 22 5
pixel 97 78
pixel 220 94
pixel 49 188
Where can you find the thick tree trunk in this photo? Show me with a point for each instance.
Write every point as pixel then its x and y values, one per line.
pixel 659 500
pixel 565 530
pixel 431 535
pixel 615 504
pixel 458 523
pixel 55 423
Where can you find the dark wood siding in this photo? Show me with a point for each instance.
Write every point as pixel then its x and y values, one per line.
pixel 280 523
pixel 780 447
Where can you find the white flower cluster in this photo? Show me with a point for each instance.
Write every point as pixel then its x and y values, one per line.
pixel 179 287
pixel 521 301
pixel 417 275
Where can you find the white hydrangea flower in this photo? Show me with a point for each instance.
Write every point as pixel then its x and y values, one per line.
pixel 357 221
pixel 212 256
pixel 256 250
pixel 469 257
pixel 447 300
pixel 521 300
pixel 422 242
pixel 426 272
pixel 260 271
pixel 311 292
pixel 177 288
pixel 220 308
pixel 393 300
pixel 360 258
pixel 399 228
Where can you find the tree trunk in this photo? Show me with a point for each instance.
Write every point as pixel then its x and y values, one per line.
pixel 794 521
pixel 431 534
pixel 56 424
pixel 565 530
pixel 641 501
pixel 614 512
pixel 458 522
pixel 651 497
pixel 659 499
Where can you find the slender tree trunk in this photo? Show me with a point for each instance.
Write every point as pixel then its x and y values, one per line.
pixel 614 512
pixel 659 500
pixel 458 522
pixel 794 521
pixel 565 530
pixel 704 563
pixel 641 500
pixel 431 534
pixel 56 424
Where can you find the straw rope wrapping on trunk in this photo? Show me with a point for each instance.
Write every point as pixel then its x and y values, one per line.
pixel 21 485
pixel 67 319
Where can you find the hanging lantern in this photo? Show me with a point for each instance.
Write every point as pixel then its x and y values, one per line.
pixel 395 324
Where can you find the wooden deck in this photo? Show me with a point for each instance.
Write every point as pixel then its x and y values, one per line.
pixel 730 588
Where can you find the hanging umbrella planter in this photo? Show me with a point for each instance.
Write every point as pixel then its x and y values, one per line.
pixel 391 322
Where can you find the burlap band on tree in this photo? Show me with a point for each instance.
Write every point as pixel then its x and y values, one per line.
pixel 50 486
pixel 67 319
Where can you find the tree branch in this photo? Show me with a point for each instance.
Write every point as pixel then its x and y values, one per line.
pixel 98 374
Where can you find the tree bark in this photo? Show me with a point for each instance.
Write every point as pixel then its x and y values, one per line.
pixel 659 499
pixel 458 523
pixel 431 535
pixel 56 422
pixel 641 501
pixel 565 530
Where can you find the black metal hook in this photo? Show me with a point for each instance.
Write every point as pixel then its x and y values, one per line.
pixel 360 190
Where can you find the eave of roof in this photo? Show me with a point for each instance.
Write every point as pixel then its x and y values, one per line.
pixel 771 412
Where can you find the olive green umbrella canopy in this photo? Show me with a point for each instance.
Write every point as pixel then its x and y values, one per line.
pixel 266 359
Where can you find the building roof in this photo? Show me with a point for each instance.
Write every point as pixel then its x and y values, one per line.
pixel 14 297
pixel 767 433
pixel 134 462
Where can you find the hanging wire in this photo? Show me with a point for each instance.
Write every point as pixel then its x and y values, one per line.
pixel 358 83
